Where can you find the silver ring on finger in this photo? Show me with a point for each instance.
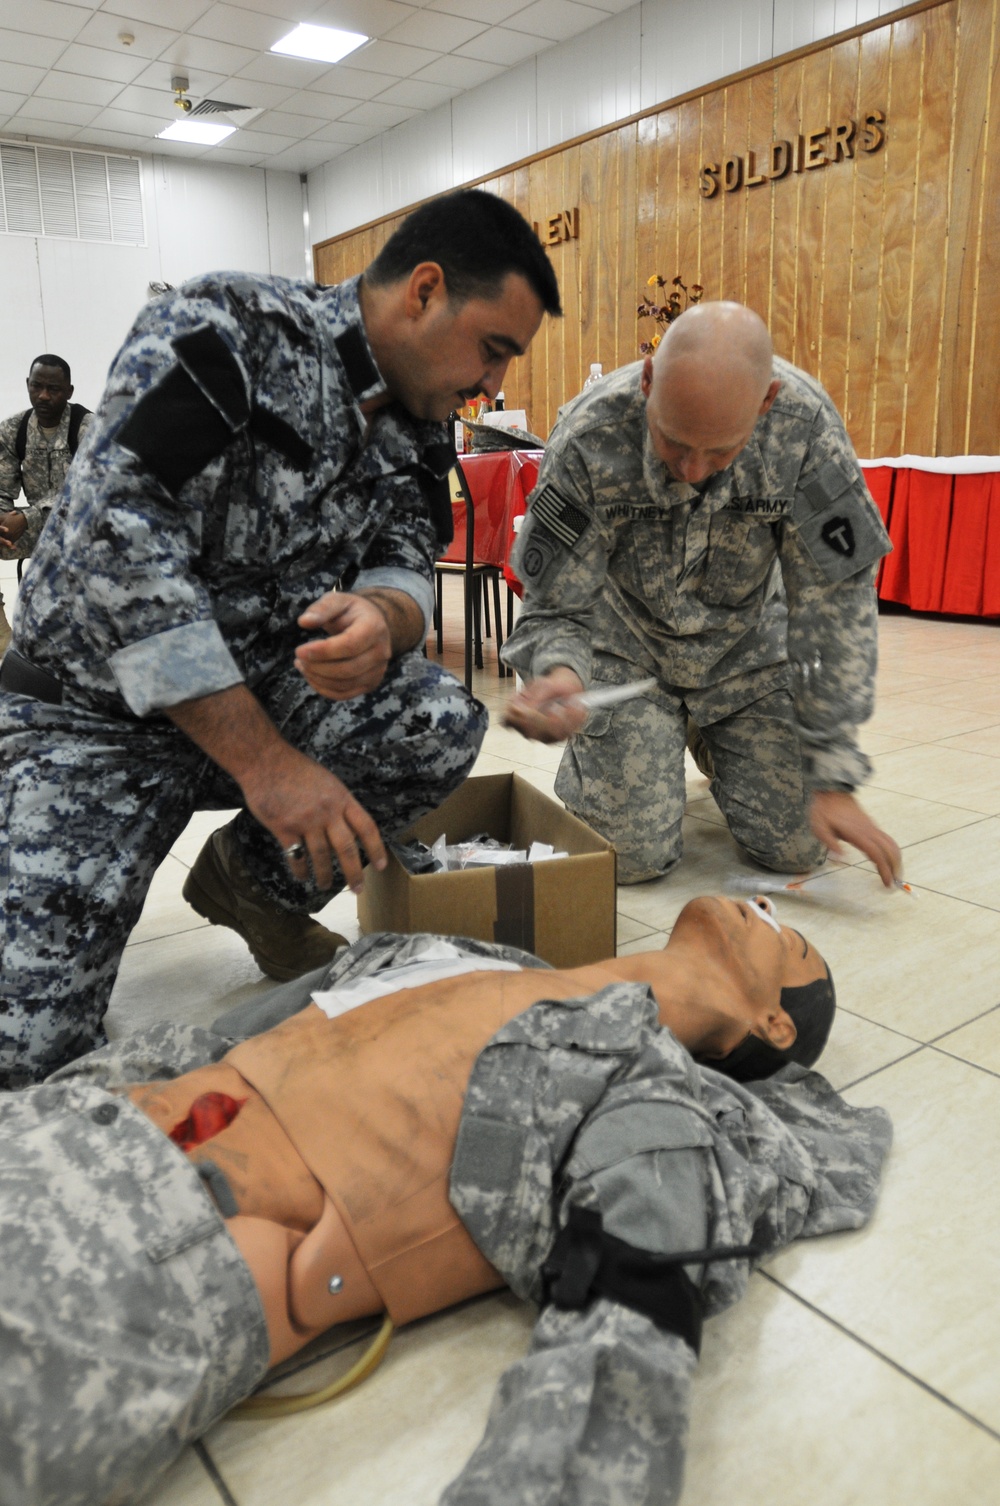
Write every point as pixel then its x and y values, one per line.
pixel 296 852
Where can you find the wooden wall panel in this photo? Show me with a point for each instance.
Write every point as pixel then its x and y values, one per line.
pixel 903 103
pixel 880 274
pixel 832 355
pixel 866 251
pixel 929 272
pixel 760 218
pixel 975 28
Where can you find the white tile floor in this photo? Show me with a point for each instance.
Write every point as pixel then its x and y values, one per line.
pixel 860 1370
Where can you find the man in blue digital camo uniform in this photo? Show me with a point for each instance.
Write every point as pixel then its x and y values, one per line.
pixel 701 520
pixel 228 606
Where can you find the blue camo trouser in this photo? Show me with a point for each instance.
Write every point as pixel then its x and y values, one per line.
pixel 90 807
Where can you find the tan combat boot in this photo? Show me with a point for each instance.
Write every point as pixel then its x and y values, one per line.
pixel 284 944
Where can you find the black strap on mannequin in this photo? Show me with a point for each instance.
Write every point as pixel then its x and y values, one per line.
pixel 586 1263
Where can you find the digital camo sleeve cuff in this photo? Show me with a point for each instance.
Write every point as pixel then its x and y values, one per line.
pixel 833 763
pixel 36 515
pixel 408 581
pixel 179 665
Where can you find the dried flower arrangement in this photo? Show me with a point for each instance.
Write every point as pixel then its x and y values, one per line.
pixel 680 298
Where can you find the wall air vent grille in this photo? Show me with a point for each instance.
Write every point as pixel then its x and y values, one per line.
pixel 83 196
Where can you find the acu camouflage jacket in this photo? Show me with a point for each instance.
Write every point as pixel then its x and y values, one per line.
pixel 772 560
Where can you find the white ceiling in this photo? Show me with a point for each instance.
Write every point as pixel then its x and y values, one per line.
pixel 65 76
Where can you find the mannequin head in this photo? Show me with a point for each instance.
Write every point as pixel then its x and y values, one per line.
pixel 764 992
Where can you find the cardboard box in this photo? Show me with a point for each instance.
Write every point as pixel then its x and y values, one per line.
pixel 563 910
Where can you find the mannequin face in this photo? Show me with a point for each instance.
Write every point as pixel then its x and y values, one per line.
pixel 756 958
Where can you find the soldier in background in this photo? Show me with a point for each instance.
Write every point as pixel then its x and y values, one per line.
pixel 701 518
pixel 36 449
pixel 228 605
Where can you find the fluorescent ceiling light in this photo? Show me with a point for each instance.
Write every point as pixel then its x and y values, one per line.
pixel 198 132
pixel 325 44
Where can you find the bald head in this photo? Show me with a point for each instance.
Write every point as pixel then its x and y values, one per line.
pixel 709 382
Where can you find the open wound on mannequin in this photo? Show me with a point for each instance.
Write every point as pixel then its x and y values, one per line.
pixel 209 1115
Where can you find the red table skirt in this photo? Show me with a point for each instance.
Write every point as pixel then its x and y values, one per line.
pixel 500 483
pixel 945 532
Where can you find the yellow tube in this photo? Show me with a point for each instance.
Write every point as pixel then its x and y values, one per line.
pixel 285 1406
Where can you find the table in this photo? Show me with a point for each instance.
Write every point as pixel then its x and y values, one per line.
pixel 500 483
pixel 943 517
pixel 496 486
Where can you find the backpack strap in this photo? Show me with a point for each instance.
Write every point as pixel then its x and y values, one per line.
pixel 21 438
pixel 77 413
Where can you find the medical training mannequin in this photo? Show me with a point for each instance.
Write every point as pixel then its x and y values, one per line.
pixel 185 1207
pixel 312 1136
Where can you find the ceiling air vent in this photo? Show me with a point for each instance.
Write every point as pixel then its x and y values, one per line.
pixel 242 114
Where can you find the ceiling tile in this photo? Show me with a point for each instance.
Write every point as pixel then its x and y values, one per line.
pixel 103 28
pixel 202 52
pixel 288 10
pixel 98 62
pixel 556 19
pixel 10 103
pixel 19 46
pixel 417 94
pixel 91 91
pixel 60 111
pixel 43 17
pixel 262 141
pixel 373 17
pixel 490 12
pixel 296 126
pixel 321 107
pixel 389 57
pixel 157 75
pixel 444 33
pixel 249 91
pixel 356 83
pixel 180 13
pixel 50 132
pixel 20 79
pixel 294 73
pixel 130 121
pixel 613 6
pixel 344 133
pixel 464 73
pixel 147 101
pixel 383 117
pixel 231 23
pixel 302 159
pixel 498 45
pixel 229 158
pixel 114 140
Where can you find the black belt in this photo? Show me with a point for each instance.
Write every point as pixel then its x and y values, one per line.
pixel 21 677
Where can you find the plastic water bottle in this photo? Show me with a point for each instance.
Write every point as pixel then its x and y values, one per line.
pixel 596 372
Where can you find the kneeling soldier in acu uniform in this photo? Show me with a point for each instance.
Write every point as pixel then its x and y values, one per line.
pixel 187 1207
pixel 701 519
pixel 228 605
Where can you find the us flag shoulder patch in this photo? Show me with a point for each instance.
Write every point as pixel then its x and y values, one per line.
pixel 562 519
